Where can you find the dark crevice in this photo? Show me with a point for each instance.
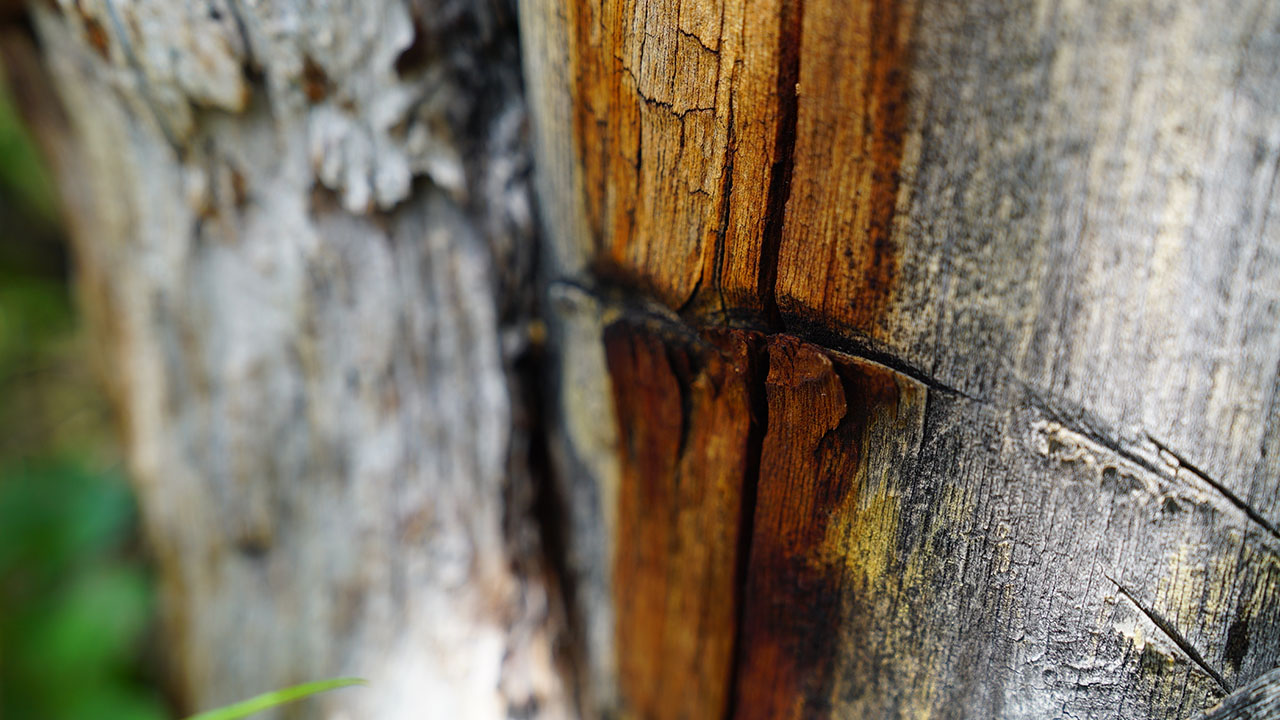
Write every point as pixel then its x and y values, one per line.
pixel 726 196
pixel 726 193
pixel 668 107
pixel 418 55
pixel 685 33
pixel 685 368
pixel 862 348
pixel 634 302
pixel 549 512
pixel 251 67
pixel 758 428
pixel 790 26
pixel 1231 497
pixel 1083 423
pixel 1172 632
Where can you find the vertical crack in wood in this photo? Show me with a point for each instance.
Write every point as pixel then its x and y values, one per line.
pixel 813 514
pixel 790 30
pixel 758 428
pixel 684 413
pixel 838 261
pixel 726 196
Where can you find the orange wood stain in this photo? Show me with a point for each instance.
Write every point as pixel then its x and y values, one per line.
pixel 730 150
pixel 684 411
pixel 838 262
pixel 820 417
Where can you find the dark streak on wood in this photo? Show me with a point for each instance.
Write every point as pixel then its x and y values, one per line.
pixel 1171 631
pixel 95 35
pixel 418 55
pixel 790 38
pixel 315 82
pixel 820 413
pixel 852 127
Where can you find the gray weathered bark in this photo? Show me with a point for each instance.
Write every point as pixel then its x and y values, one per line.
pixel 304 236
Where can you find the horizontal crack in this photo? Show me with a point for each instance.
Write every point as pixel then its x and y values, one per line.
pixel 1079 421
pixel 627 303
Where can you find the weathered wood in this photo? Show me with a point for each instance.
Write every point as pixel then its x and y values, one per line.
pixel 304 234
pixel 686 411
pixel 824 522
pixel 1049 227
pixel 1259 699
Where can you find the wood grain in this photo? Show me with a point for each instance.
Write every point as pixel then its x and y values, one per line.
pixel 685 405
pixel 1053 226
pixel 822 524
pixel 838 258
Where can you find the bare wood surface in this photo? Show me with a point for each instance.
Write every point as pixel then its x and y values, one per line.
pixel 686 405
pixel 1051 225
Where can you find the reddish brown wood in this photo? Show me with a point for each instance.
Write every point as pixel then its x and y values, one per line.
pixel 838 260
pixel 819 530
pixel 684 405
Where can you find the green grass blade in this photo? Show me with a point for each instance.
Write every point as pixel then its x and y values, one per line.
pixel 275 698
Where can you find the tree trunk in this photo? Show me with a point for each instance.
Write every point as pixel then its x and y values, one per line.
pixel 943 346
pixel 905 359
pixel 304 234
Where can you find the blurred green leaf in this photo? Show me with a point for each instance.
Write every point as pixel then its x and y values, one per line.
pixel 268 700
pixel 75 597
pixel 22 171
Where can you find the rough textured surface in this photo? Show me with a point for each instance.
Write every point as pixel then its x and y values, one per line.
pixel 1259 699
pixel 303 231
pixel 686 408
pixel 823 529
pixel 1051 227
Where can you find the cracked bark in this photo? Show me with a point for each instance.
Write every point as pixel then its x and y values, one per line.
pixel 1005 273
pixel 881 335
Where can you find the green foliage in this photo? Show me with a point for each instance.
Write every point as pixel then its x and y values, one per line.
pixel 21 171
pixel 75 597
pixel 76 600
pixel 276 698
pixel 73 604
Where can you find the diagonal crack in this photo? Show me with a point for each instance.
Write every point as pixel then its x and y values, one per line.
pixel 1178 639
pixel 1222 489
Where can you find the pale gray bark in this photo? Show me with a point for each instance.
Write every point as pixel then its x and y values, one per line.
pixel 1087 293
pixel 303 232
